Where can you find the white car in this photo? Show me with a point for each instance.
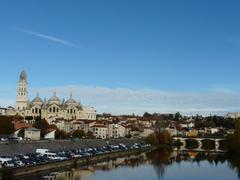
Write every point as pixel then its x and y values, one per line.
pixel 4 160
pixel 8 164
pixel 4 139
pixel 19 163
pixel 76 155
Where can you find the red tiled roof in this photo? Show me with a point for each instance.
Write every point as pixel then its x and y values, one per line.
pixel 21 125
pixel 99 126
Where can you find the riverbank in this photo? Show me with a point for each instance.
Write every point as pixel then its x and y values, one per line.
pixel 19 173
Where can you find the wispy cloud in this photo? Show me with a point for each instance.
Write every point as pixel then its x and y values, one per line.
pixel 50 38
pixel 138 101
pixel 124 100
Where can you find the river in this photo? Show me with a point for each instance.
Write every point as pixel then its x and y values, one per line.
pixel 155 165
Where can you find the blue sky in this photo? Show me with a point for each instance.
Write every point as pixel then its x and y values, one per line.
pixel 189 48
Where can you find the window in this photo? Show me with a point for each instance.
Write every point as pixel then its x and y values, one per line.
pixel 54 109
pixel 50 110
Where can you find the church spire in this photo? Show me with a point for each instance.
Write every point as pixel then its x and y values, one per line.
pixel 23 76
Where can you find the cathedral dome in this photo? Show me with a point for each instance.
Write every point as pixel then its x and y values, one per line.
pixel 71 100
pixel 37 99
pixel 54 99
pixel 23 76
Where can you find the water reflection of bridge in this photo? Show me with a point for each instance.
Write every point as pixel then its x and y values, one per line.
pixel 160 159
pixel 183 141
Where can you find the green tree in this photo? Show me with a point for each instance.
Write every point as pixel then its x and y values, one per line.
pixel 6 125
pixel 60 134
pixel 152 139
pixel 42 124
pixel 89 135
pixel 164 137
pixel 160 125
pixel 177 116
pixel 234 140
pixel 79 134
pixel 146 114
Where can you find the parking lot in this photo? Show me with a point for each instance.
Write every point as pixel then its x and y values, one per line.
pixel 47 155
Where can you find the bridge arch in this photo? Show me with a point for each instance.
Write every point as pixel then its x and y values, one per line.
pixel 183 141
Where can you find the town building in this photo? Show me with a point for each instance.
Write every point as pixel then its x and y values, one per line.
pixel 32 133
pixel 233 115
pixel 116 131
pixel 3 111
pixel 100 131
pixel 50 135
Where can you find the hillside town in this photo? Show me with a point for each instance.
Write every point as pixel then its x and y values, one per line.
pixel 118 126
pixel 59 119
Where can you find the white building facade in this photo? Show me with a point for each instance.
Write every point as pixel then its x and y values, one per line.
pixel 52 108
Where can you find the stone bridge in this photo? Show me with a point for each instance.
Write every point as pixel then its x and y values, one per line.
pixel 200 143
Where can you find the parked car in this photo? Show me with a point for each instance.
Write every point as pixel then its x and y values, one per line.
pixel 8 163
pixel 19 163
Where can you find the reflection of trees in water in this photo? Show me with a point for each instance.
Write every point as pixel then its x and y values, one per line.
pixel 234 163
pixel 134 162
pixel 163 158
pixel 212 158
pixel 160 160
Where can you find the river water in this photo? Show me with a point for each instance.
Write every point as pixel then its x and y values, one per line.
pixel 156 165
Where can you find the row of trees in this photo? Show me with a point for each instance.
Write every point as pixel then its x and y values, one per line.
pixel 159 138
pixel 201 122
pixel 215 121
pixel 234 140
pixel 76 134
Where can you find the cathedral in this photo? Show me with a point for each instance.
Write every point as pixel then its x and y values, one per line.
pixel 50 109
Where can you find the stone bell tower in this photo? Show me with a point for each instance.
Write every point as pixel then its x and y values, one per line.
pixel 22 94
